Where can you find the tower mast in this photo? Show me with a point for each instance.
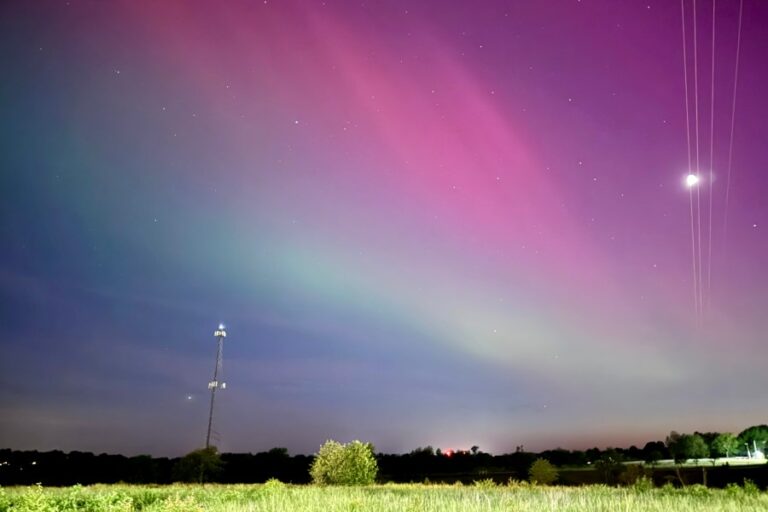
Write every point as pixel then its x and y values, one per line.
pixel 213 385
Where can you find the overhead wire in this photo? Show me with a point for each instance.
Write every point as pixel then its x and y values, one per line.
pixel 733 121
pixel 698 156
pixel 711 160
pixel 703 292
pixel 690 157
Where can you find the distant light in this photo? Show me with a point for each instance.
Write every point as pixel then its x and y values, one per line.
pixel 448 453
pixel 189 397
pixel 221 327
pixel 691 180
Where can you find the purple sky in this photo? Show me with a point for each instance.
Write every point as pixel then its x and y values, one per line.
pixel 445 223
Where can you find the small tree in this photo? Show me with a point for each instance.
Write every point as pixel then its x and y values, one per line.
pixel 339 464
pixel 676 445
pixel 325 468
pixel 725 444
pixel 198 466
pixel 755 437
pixel 696 447
pixel 542 472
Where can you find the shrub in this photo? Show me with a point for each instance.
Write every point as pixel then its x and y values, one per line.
pixel 33 499
pixel 736 491
pixel 750 488
pixel 486 483
pixel 668 488
pixel 643 484
pixel 514 483
pixel 697 490
pixel 5 500
pixel 177 503
pixel 542 472
pixel 632 473
pixel 349 464
pixel 275 483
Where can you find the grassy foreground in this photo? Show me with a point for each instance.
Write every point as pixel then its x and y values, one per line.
pixel 275 496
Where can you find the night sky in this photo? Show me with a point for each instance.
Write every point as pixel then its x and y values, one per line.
pixel 422 222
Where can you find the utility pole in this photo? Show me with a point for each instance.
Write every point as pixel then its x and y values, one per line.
pixel 213 385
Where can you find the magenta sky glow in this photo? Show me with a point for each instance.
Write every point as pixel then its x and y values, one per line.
pixel 423 223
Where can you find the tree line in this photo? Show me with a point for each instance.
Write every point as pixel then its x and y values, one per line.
pixel 424 463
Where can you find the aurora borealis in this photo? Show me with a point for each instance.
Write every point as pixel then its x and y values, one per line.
pixel 444 223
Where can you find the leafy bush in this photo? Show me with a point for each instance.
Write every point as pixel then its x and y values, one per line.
pixel 486 483
pixel 667 489
pixel 33 499
pixel 177 503
pixel 349 464
pixel 542 472
pixel 643 484
pixel 274 485
pixel 697 490
pixel 514 483
pixel 750 488
pixel 734 490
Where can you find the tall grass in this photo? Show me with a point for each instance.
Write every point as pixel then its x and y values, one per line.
pixel 275 496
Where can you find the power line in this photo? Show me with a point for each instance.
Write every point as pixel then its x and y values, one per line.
pixel 711 158
pixel 690 158
pixel 733 121
pixel 700 281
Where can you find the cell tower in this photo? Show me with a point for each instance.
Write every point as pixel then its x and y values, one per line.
pixel 220 334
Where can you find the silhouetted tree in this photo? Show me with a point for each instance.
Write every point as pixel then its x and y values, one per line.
pixel 609 467
pixel 201 465
pixel 676 446
pixel 696 447
pixel 653 451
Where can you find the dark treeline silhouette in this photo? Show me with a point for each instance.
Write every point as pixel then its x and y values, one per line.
pixel 60 469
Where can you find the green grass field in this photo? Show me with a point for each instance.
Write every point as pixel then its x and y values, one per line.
pixel 275 496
